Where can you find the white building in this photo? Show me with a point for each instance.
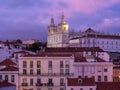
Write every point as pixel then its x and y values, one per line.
pixel 90 38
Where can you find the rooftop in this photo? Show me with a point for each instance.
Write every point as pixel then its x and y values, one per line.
pixel 81 81
pixel 5 84
pixel 9 68
pixel 7 62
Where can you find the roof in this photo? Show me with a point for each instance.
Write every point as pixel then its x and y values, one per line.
pixel 80 59
pixel 108 86
pixel 74 49
pixel 89 30
pixel 81 81
pixel 83 59
pixel 49 55
pixel 5 84
pixel 9 68
pixel 23 52
pixel 7 62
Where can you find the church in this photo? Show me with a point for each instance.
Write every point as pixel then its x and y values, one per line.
pixel 60 36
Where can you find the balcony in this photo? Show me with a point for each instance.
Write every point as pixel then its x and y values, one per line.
pixel 48 74
pixel 50 84
pixel 24 84
pixel 39 84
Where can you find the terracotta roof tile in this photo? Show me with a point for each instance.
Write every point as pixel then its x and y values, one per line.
pixel 108 86
pixel 7 62
pixel 81 81
pixel 5 84
pixel 9 68
pixel 49 55
pixel 74 49
pixel 80 59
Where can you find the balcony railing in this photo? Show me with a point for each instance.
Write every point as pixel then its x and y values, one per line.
pixel 39 84
pixel 48 74
pixel 24 84
pixel 50 84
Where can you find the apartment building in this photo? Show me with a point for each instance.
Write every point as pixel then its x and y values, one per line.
pixel 45 71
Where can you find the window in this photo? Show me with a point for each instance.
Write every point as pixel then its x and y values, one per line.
pixel 99 78
pixel 38 81
pixel 92 69
pixel 50 71
pixel 80 69
pixel 12 78
pixel 61 88
pixel 38 64
pixel 67 71
pixel 61 71
pixel 31 71
pixel 50 80
pixel 24 64
pixel 79 80
pixel 99 68
pixel 6 77
pixel 31 64
pixel 31 82
pixel 0 77
pixel 91 89
pixel 67 64
pixel 61 81
pixel 71 89
pixel 24 80
pixel 105 78
pixel 38 71
pixel 105 70
pixel 24 71
pixel 61 64
pixel 50 64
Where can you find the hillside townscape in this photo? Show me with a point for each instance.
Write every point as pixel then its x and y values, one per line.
pixel 87 60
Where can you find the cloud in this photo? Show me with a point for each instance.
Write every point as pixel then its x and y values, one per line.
pixel 109 25
pixel 18 17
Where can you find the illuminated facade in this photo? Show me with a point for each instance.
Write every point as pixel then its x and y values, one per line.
pixel 58 35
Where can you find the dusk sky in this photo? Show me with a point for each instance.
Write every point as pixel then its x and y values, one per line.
pixel 28 19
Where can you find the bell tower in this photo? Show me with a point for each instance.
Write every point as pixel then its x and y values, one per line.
pixel 58 35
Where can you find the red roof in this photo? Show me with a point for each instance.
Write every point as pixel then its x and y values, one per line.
pixel 108 86
pixel 81 81
pixel 5 84
pixel 7 62
pixel 80 59
pixel 23 52
pixel 50 55
pixel 9 68
pixel 74 49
